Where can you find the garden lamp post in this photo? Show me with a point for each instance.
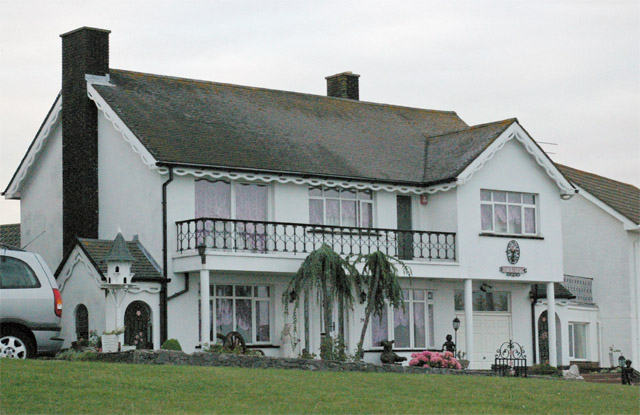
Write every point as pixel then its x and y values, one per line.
pixel 456 326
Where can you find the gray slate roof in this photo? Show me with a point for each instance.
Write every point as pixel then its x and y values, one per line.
pixel 118 251
pixel 212 124
pixel 559 291
pixel 143 268
pixel 622 197
pixel 10 235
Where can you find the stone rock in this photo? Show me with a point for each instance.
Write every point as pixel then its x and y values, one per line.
pixel 572 373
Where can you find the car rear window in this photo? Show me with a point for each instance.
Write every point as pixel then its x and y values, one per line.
pixel 15 273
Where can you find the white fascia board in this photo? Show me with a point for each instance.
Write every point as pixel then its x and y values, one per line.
pixel 76 257
pixel 217 174
pixel 517 132
pixel 118 124
pixel 48 126
pixel 628 224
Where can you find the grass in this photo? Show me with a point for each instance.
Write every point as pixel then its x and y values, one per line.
pixel 39 386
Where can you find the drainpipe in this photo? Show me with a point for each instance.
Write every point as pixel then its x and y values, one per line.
pixel 163 289
pixel 534 300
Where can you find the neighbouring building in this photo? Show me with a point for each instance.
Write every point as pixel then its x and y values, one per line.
pixel 601 255
pixel 221 191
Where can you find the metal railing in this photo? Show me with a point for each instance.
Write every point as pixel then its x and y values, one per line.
pixel 581 287
pixel 267 237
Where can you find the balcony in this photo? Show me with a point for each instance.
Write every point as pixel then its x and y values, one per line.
pixel 581 287
pixel 297 238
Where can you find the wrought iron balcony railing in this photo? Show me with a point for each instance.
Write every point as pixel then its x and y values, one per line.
pixel 267 237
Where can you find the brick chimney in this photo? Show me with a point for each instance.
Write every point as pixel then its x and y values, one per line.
pixel 84 51
pixel 343 85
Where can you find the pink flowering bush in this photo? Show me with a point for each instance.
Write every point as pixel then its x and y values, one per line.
pixel 434 359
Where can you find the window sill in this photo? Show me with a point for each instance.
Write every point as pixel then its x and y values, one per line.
pixel 360 232
pixel 263 346
pixel 403 350
pixel 510 236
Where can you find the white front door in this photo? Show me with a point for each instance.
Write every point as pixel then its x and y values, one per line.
pixel 490 330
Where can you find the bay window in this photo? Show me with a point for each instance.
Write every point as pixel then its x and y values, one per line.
pixel 411 327
pixel 508 212
pixel 242 308
pixel 578 341
pixel 340 207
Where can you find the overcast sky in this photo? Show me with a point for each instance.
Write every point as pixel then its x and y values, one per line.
pixel 568 70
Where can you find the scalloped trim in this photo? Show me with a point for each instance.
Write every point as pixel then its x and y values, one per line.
pixel 33 153
pixel 79 257
pixel 267 178
pixel 529 145
pixel 121 127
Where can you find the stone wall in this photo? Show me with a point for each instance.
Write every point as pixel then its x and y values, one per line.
pixel 167 357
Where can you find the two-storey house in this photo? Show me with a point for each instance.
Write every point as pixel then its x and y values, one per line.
pixel 228 188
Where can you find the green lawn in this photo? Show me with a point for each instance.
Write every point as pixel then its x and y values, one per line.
pixel 39 386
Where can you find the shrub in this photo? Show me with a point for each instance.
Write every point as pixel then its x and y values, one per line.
pixel 543 369
pixel 434 359
pixel 171 344
pixel 72 355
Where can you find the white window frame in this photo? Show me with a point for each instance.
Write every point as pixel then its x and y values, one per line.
pixel 359 204
pixel 233 184
pixel 212 307
pixel 572 342
pixel 428 302
pixel 506 203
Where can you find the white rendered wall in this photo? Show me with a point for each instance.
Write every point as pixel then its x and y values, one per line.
pixel 511 169
pixel 596 245
pixel 41 202
pixel 130 194
pixel 80 287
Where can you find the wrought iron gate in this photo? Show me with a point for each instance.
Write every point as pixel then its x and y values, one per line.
pixel 511 360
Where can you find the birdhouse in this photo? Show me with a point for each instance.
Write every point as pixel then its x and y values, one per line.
pixel 119 261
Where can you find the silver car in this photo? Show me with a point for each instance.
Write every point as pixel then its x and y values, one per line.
pixel 30 306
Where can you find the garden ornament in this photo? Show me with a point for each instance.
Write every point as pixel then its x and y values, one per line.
pixel 388 356
pixel 449 346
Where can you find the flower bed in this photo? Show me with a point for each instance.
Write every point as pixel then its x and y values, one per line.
pixel 435 360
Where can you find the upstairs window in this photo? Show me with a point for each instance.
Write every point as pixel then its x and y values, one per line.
pixel 340 207
pixel 508 212
pixel 224 200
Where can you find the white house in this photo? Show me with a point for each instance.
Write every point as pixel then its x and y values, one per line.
pixel 229 187
pixel 601 250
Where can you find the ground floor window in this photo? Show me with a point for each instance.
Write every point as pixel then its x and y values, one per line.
pixel 82 323
pixel 411 327
pixel 242 308
pixel 485 300
pixel 578 340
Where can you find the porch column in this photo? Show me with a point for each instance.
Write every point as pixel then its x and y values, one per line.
pixel 205 316
pixel 468 320
pixel 551 324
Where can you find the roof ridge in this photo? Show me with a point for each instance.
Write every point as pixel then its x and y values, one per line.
pixel 202 81
pixel 596 175
pixel 476 127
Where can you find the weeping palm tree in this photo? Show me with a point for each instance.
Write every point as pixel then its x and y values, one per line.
pixel 332 277
pixel 381 277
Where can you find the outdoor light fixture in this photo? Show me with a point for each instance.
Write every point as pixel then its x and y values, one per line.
pixel 621 361
pixel 201 251
pixel 456 326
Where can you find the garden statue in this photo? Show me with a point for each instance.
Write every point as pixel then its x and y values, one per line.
pixel 627 373
pixel 449 346
pixel 285 338
pixel 388 356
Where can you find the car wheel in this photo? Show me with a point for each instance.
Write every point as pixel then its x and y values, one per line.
pixel 15 344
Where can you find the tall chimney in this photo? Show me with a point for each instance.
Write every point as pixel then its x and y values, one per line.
pixel 84 51
pixel 343 85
